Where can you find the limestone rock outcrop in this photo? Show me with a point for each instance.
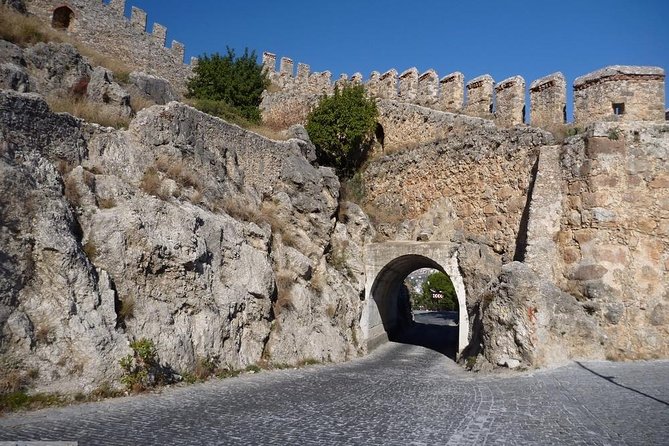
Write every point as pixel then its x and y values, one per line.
pixel 58 70
pixel 528 322
pixel 18 5
pixel 157 89
pixel 213 242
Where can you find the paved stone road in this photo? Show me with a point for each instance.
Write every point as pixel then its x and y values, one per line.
pixel 401 394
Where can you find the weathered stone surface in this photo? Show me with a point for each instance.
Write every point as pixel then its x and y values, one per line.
pixel 103 89
pixel 548 101
pixel 57 309
pixel 510 102
pixel 58 71
pixel 11 53
pixel 616 252
pixel 157 89
pixel 58 68
pixel 14 77
pixel 19 5
pixel 530 322
pixel 620 93
pixel 179 230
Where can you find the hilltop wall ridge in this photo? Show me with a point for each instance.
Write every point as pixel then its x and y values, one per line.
pixel 600 95
pixel 105 28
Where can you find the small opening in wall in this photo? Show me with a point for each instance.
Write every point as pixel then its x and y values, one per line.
pixel 62 18
pixel 380 135
pixel 491 108
pixel 522 118
pixel 618 108
pixel 564 114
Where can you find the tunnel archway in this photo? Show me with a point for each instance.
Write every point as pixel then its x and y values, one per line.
pixel 387 265
pixel 62 18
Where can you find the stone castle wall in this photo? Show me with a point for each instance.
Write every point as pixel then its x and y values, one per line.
pixel 620 93
pixel 590 215
pixel 104 28
pixel 613 240
pixel 425 183
pixel 548 101
pixel 639 89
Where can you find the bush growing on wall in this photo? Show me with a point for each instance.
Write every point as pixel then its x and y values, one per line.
pixel 236 81
pixel 342 128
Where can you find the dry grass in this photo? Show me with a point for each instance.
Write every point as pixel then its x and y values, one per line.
pixel 174 169
pixel 307 362
pixel 91 250
pixel 282 121
pixel 197 197
pixel 152 184
pixel 89 180
pixel 44 334
pixel 127 310
pixel 563 131
pixel 229 114
pixel 89 111
pixel 240 208
pixel 268 132
pixel 318 281
pixel 284 286
pixel 106 203
pixel 139 102
pixel 205 368
pixel 72 193
pixel 331 310
pixel 95 169
pixel 64 167
pixel 28 30
pixel 379 215
pixel 280 226
pixel 12 381
pixel 25 30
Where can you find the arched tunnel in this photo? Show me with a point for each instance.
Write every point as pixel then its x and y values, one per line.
pixel 388 315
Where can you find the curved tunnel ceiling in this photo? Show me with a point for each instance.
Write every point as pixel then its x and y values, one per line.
pixel 402 266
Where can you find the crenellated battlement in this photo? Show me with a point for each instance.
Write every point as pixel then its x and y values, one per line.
pixel 104 26
pixel 625 93
pixel 628 93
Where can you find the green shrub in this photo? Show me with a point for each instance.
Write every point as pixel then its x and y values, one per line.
pixel 253 368
pixel 236 81
pixel 439 282
pixel 227 373
pixel 142 369
pixel 342 128
pixel 613 134
pixel 21 400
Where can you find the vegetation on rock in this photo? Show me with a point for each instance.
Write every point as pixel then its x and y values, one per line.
pixel 228 85
pixel 342 128
pixel 142 369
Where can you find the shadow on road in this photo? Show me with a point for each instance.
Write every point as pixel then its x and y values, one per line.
pixel 434 330
pixel 611 380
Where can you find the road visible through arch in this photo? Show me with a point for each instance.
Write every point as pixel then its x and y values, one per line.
pixel 435 330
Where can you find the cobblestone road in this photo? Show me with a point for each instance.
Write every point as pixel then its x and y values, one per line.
pixel 400 394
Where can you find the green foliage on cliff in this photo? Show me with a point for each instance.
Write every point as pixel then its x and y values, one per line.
pixel 237 81
pixel 342 128
pixel 439 282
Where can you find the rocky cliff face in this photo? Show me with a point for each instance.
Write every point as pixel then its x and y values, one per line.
pixel 211 241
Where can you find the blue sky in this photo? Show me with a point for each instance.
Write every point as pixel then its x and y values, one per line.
pixel 530 38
